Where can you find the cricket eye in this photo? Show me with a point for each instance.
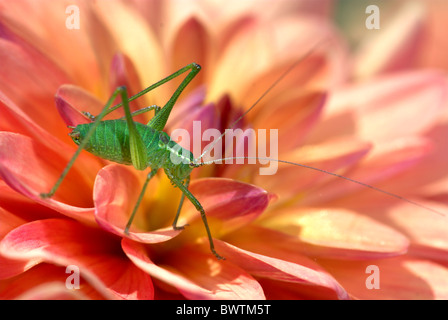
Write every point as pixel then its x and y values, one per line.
pixel 193 165
pixel 75 135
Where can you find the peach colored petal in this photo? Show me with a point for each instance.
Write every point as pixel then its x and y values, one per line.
pixel 197 275
pixel 25 67
pixel 115 194
pixel 73 49
pixel 415 98
pixel 45 281
pixel 65 242
pixel 23 168
pixel 292 117
pixel 426 230
pixel 298 269
pixel 137 41
pixel 339 233
pixel 396 46
pixel 383 166
pixel 333 156
pixel 403 278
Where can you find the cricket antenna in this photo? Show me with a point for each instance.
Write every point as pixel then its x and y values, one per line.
pixel 272 86
pixel 332 174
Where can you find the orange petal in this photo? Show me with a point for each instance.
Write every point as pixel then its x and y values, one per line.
pixel 65 242
pixel 31 169
pixel 197 275
pixel 25 69
pixel 115 194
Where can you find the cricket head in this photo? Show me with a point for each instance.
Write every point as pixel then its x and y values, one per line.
pixel 75 134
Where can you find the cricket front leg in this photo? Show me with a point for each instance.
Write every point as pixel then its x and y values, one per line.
pixel 176 218
pixel 201 210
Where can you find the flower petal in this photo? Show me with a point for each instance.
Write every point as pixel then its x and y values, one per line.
pixel 45 281
pixel 293 119
pixel 426 230
pixel 69 98
pixel 339 233
pixel 396 46
pixel 65 242
pixel 197 275
pixel 115 195
pixel 383 165
pixel 233 203
pixel 416 98
pixel 402 278
pixel 289 268
pixel 332 156
pixel 25 67
pixel 23 168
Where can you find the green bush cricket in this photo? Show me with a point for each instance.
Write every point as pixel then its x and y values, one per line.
pixel 144 146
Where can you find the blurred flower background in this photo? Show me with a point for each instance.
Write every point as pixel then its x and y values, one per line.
pixel 369 104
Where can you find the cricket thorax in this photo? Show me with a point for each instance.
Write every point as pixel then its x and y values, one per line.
pixel 110 141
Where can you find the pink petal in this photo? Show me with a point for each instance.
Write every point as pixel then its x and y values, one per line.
pixel 233 203
pixel 289 268
pixel 115 194
pixel 403 278
pixel 71 100
pixel 195 121
pixel 416 98
pixel 31 169
pixel 395 47
pixel 65 242
pixel 197 275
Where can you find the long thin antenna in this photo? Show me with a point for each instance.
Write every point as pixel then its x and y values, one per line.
pixel 272 86
pixel 332 174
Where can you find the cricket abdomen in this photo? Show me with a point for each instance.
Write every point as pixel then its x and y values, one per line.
pixel 110 141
